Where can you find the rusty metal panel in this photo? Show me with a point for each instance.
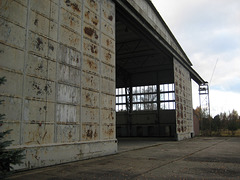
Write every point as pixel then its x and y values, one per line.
pixel 108 57
pixel 108 86
pixel 67 113
pixel 108 101
pixel 90 48
pixel 91 18
pixel 67 133
pixel 12 34
pixel 90 81
pixel 90 65
pixel 68 94
pixel 11 87
pixel 39 133
pixel 108 71
pixel 11 58
pixel 70 20
pixel 90 98
pixel 73 6
pixel 14 12
pixel 90 114
pixel 90 131
pixel 69 56
pixel 91 33
pixel 70 38
pixel 93 5
pixel 69 75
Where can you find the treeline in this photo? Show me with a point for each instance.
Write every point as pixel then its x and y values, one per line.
pixel 220 123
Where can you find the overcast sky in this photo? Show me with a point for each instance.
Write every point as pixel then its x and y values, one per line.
pixel 209 33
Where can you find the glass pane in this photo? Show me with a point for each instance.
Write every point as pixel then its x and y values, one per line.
pixel 162 106
pixel 134 107
pixel 166 97
pixel 161 87
pixel 123 99
pixel 162 97
pixel 146 89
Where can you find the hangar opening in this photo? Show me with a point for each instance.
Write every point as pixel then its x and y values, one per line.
pixel 145 93
pixel 153 85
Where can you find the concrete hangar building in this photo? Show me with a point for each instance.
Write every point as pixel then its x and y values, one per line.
pixel 81 73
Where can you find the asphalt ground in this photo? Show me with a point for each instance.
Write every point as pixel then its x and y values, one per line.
pixel 197 158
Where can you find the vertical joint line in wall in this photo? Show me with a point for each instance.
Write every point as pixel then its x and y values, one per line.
pixel 100 71
pixel 81 64
pixel 115 65
pixel 24 73
pixel 46 96
pixel 56 73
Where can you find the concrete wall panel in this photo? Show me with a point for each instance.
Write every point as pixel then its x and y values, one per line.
pixel 13 85
pixel 91 18
pixel 67 113
pixel 91 65
pixel 67 133
pixel 91 33
pixel 73 6
pixel 90 115
pixel 93 5
pixel 68 94
pixel 108 57
pixel 108 86
pixel 37 133
pixel 91 49
pixel 12 34
pixel 69 56
pixel 15 58
pixel 90 131
pixel 90 98
pixel 70 20
pixel 12 108
pixel 90 81
pixel 108 102
pixel 14 12
pixel 70 38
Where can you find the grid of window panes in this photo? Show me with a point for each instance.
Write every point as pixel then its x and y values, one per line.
pixel 167 96
pixel 144 98
pixel 120 99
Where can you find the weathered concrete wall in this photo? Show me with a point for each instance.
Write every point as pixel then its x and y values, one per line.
pixel 59 60
pixel 183 98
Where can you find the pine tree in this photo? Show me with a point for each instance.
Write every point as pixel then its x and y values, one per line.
pixel 7 157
